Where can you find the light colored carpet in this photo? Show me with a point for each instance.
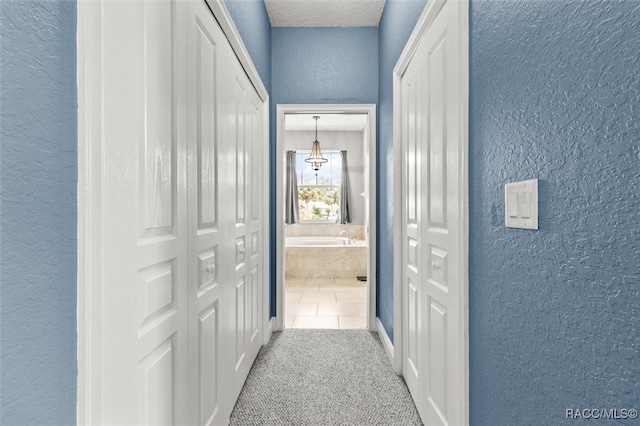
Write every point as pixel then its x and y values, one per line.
pixel 324 377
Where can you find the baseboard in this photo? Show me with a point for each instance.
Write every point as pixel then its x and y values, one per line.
pixel 386 342
pixel 271 325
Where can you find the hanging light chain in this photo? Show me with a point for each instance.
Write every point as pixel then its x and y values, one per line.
pixel 315 158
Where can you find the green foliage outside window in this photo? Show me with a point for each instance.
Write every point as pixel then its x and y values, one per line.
pixel 318 203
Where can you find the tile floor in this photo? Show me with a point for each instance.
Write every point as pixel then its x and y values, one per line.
pixel 325 303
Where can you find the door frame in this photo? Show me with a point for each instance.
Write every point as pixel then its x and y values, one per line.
pixel 370 111
pixel 90 191
pixel 424 22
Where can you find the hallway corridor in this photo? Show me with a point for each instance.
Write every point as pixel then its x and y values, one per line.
pixel 324 377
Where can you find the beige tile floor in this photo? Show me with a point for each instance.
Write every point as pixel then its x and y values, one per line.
pixel 325 303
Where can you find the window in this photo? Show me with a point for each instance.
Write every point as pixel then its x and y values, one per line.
pixel 319 195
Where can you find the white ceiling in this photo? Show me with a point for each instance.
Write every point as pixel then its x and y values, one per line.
pixel 324 13
pixel 326 122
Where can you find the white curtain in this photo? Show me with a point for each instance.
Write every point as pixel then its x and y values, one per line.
pixel 292 213
pixel 345 192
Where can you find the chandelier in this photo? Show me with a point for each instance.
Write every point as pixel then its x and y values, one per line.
pixel 315 158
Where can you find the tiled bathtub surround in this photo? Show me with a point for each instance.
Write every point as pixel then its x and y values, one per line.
pixel 326 261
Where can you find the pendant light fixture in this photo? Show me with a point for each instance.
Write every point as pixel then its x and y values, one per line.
pixel 315 158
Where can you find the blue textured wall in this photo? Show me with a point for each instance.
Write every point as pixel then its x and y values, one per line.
pixel 252 21
pixel 319 66
pixel 325 65
pixel 398 19
pixel 555 313
pixel 38 213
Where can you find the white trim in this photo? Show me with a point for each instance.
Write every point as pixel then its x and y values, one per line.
pixel 279 237
pixel 370 110
pixel 426 18
pixel 267 322
pixel 464 202
pixel 268 330
pixel 386 342
pixel 397 224
pixel 89 317
pixel 222 15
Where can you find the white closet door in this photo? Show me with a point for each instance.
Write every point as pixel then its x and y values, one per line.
pixel 225 291
pixel 246 134
pixel 434 362
pixel 142 375
pixel 255 213
pixel 210 253
pixel 412 115
pixel 175 135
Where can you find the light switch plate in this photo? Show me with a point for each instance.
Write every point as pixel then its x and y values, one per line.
pixel 521 204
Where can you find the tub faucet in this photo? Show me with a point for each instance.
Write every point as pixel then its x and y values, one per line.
pixel 348 241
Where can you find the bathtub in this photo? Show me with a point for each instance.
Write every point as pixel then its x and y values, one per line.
pixel 322 242
pixel 324 257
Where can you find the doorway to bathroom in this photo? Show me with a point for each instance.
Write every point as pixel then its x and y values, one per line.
pixel 325 227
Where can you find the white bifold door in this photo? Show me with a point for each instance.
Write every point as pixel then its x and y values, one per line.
pixel 174 134
pixel 433 223
pixel 226 148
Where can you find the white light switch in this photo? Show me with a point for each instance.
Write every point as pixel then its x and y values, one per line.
pixel 524 204
pixel 521 204
pixel 512 205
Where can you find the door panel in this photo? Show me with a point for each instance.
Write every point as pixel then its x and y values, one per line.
pixel 205 109
pixel 432 250
pixel 208 343
pixel 143 325
pixel 441 154
pixel 239 132
pixel 412 218
pixel 162 278
pixel 436 136
pixel 157 177
pixel 156 385
pixel 208 252
pixel 254 233
pixel 437 382
pixel 246 134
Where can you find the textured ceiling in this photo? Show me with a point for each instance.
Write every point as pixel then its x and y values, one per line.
pixel 348 122
pixel 324 13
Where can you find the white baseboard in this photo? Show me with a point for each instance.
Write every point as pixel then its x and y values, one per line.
pixel 271 325
pixel 386 342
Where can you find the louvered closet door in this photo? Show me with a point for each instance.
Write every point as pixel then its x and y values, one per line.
pixel 142 375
